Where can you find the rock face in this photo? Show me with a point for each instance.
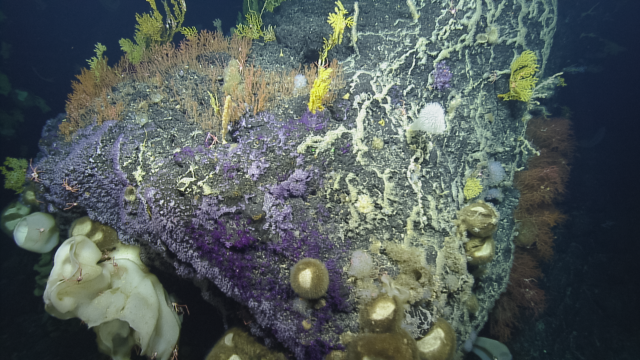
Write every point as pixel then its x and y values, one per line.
pixel 290 185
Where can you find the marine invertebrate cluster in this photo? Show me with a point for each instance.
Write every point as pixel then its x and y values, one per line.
pixel 120 299
pixel 382 335
pixel 289 215
pixel 36 232
pixel 439 343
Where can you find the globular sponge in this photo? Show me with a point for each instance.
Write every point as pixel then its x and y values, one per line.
pixel 431 119
pixel 494 194
pixel 495 173
pixel 361 264
pixel 480 219
pixel 310 278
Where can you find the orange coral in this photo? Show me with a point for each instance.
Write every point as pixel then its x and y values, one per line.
pixel 552 134
pixel 92 97
pixel 542 184
pixel 535 229
pixel 522 293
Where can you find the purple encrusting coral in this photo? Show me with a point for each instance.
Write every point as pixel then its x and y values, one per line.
pixel 314 122
pixel 442 76
pixel 236 256
pixel 186 153
pixel 243 236
pixel 345 106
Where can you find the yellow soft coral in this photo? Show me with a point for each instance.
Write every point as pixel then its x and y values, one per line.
pixel 320 88
pixel 14 178
pixel 522 82
pixel 472 188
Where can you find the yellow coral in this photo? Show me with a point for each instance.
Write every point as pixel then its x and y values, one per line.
pixel 320 88
pixel 338 22
pixel 150 26
pixel 154 29
pixel 472 188
pixel 269 34
pixel 226 117
pixel 98 63
pixel 253 29
pixel 522 82
pixel 270 5
pixel 133 50
pixel 14 178
pixel 189 32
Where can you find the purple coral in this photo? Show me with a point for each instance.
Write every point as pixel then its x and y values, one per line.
pixel 257 168
pixel 344 105
pixel 243 244
pixel 314 122
pixel 295 185
pixel 442 76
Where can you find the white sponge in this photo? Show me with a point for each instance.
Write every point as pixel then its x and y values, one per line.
pixel 431 119
pixel 361 265
pixel 123 303
pixel 36 232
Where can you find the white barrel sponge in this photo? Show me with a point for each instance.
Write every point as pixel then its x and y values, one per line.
pixel 36 232
pixel 430 119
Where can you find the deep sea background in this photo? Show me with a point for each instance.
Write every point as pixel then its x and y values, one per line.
pixel 592 281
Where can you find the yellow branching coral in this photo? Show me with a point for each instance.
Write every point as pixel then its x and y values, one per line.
pixel 133 50
pixel 14 178
pixel 522 82
pixel 154 29
pixel 226 117
pixel 270 5
pixel 189 32
pixel 472 188
pixel 338 22
pixel 253 28
pixel 98 63
pixel 320 88
pixel 269 34
pixel 150 26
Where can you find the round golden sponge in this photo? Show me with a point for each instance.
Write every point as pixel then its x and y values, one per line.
pixel 310 278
